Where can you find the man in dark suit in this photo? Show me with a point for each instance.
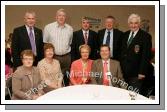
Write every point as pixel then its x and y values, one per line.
pixel 84 36
pixel 27 37
pixel 107 71
pixel 111 37
pixel 135 53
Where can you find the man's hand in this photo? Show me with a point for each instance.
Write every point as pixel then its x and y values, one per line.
pixel 141 76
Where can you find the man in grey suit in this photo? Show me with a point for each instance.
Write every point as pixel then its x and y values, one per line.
pixel 106 71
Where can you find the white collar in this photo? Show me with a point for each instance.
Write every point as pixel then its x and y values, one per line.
pixel 57 25
pixel 107 61
pixel 135 32
pixel 109 30
pixel 28 28
pixel 85 31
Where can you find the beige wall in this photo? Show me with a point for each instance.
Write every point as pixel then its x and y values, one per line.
pixel 45 14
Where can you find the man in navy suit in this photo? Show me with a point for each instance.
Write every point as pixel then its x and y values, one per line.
pixel 84 36
pixel 110 36
pixel 135 53
pixel 27 37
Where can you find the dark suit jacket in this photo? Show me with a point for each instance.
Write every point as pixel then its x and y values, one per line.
pixel 117 39
pixel 20 42
pixel 135 58
pixel 78 39
pixel 115 69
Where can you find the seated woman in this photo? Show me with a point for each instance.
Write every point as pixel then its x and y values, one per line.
pixel 80 69
pixel 50 69
pixel 26 81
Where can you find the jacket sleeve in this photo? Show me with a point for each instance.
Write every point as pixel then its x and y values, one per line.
pixel 15 48
pixel 73 48
pixel 121 82
pixel 146 54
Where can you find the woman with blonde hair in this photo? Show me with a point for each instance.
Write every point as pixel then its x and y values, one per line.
pixel 80 69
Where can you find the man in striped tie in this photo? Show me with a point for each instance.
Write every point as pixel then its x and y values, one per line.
pixel 135 53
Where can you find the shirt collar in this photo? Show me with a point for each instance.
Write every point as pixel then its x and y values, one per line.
pixel 28 28
pixel 109 30
pixel 85 31
pixel 57 25
pixel 107 61
pixel 135 32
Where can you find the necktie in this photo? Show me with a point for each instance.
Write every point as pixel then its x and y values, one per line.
pixel 108 39
pixel 105 79
pixel 86 38
pixel 32 41
pixel 130 39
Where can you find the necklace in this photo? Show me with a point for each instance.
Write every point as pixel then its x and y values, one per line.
pixel 84 64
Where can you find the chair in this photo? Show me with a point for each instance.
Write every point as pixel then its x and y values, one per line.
pixel 9 86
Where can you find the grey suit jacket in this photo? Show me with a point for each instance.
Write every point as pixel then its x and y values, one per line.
pixel 116 73
pixel 26 83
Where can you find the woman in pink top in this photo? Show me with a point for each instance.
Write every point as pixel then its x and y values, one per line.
pixel 81 68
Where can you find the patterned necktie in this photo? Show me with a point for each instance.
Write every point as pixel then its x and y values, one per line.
pixel 86 38
pixel 130 39
pixel 108 39
pixel 105 79
pixel 32 41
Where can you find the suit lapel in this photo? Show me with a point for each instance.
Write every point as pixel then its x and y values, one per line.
pixel 134 39
pixel 25 33
pixel 81 36
pixel 126 38
pixel 100 69
pixel 102 35
pixel 26 36
pixel 111 70
pixel 114 38
pixel 36 35
pixel 89 37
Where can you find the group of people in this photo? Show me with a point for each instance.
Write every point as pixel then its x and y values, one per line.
pixel 59 57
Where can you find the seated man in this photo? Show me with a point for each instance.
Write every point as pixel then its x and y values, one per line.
pixel 106 71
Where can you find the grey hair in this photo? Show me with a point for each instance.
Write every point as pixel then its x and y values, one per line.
pixel 134 16
pixel 60 10
pixel 30 12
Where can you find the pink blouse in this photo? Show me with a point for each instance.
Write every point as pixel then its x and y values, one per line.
pixel 79 74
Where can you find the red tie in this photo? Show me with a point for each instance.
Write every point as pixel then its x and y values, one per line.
pixel 105 79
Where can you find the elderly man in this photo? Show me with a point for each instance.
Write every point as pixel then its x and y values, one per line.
pixel 84 36
pixel 106 71
pixel 135 53
pixel 60 34
pixel 110 36
pixel 27 37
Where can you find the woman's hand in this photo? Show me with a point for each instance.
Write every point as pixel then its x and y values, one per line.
pixel 35 96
